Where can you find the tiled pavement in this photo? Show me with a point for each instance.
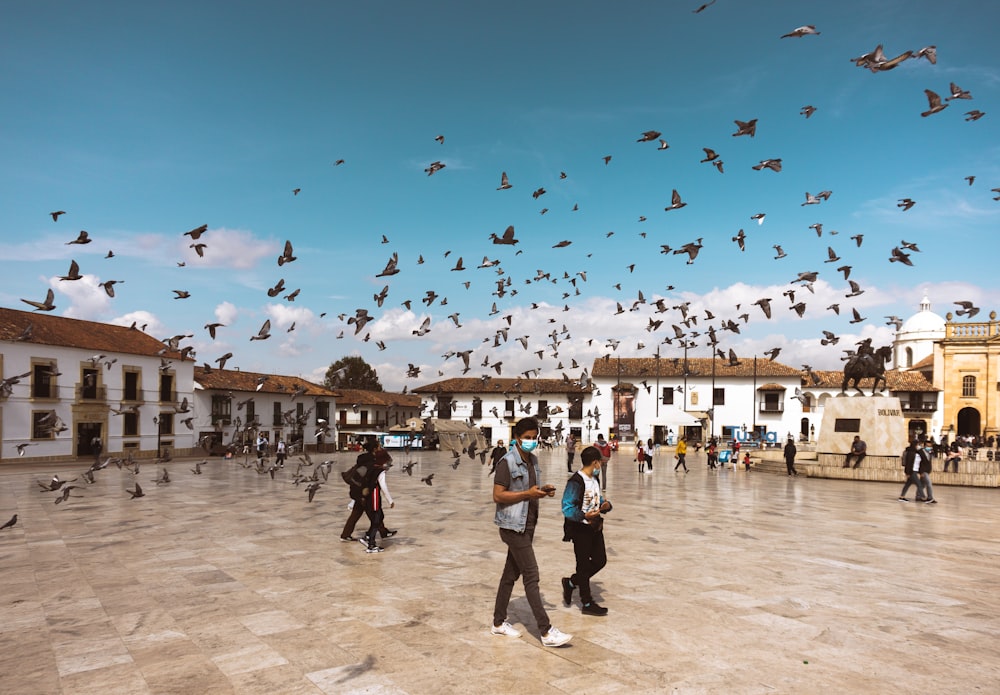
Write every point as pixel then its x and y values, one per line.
pixel 727 582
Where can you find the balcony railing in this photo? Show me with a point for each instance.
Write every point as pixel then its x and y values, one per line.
pixel 91 393
pixel 772 407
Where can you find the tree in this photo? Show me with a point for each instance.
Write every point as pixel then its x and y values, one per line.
pixel 352 373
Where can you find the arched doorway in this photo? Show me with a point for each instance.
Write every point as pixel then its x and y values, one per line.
pixel 915 428
pixel 804 429
pixel 969 422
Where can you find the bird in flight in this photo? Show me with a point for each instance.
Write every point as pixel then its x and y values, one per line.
pixel 82 238
pixel 906 203
pixel 703 7
pixel 55 217
pixel 772 164
pixel 935 105
pixel 504 182
pixel 263 334
pixel 649 136
pixel 675 201
pixel 968 309
pixel 74 272
pixel 746 128
pixel 801 31
pixel 434 168
pixel 45 305
pixel 974 115
pixel 287 256
pixel 391 266
pixel 807 111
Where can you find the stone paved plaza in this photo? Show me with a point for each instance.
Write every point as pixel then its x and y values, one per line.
pixel 717 582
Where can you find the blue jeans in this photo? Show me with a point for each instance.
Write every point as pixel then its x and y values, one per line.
pixel 912 479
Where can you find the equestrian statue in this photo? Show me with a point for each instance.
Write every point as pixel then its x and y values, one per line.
pixel 866 363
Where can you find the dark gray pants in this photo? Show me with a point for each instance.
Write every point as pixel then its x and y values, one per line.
pixel 520 563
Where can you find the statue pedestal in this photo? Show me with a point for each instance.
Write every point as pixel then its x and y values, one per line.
pixel 878 420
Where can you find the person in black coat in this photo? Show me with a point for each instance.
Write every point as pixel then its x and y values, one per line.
pixel 790 452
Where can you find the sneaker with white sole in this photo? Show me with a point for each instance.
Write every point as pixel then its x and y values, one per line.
pixel 505 629
pixel 374 549
pixel 555 638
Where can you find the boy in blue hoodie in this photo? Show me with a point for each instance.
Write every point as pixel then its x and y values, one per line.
pixel 582 506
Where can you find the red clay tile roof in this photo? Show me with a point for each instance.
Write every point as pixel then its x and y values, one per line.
pixel 236 380
pixel 895 379
pixel 926 363
pixel 60 331
pixel 771 386
pixel 377 398
pixel 501 385
pixel 633 367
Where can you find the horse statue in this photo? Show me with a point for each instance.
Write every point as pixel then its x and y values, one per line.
pixel 864 365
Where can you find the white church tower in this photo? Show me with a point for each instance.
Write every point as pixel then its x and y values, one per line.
pixel 916 335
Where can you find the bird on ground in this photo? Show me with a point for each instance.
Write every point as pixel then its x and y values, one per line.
pixel 287 254
pixel 968 309
pixel 807 111
pixel 45 305
pixel 801 31
pixel 675 201
pixel 906 203
pixel 197 467
pixel 82 238
pixel 13 519
pixel 772 164
pixel 164 478
pixel 934 103
pixel 434 168
pixel 746 128
pixel 137 492
pixel 73 273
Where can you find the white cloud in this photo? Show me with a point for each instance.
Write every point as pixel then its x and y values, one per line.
pixel 227 248
pixel 87 299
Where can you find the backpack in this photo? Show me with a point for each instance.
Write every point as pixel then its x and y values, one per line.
pixel 357 475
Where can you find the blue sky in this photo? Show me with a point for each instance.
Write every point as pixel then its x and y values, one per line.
pixel 145 120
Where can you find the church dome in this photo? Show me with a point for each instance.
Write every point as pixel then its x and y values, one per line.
pixel 923 324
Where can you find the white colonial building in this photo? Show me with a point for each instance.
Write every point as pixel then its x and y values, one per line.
pixel 68 384
pixel 916 336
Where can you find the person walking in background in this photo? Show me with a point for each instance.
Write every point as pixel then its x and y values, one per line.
pixel 712 452
pixel 790 452
pixel 924 472
pixel 911 467
pixel 355 479
pixel 376 495
pixel 640 455
pixel 499 451
pixel 681 454
pixel 649 454
pixel 570 452
pixel 279 450
pixel 953 456
pixel 516 492
pixel 604 447
pixel 582 506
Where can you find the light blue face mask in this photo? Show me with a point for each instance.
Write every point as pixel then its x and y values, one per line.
pixel 528 445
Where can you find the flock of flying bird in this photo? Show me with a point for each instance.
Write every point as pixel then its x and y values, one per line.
pixel 875 61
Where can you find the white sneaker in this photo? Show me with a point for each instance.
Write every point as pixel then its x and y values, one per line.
pixel 555 638
pixel 506 629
